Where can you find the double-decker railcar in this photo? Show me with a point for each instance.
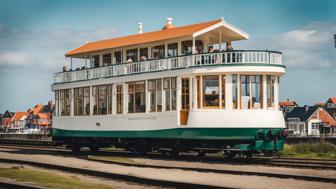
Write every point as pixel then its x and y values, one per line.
pixel 179 88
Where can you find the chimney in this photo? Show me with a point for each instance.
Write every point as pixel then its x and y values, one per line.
pixel 169 24
pixel 306 108
pixel 140 27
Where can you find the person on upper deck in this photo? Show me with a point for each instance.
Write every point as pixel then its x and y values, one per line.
pixel 129 60
pixel 210 49
pixel 143 58
pixel 229 46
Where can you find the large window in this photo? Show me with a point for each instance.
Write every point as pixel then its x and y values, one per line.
pixel 173 93
pixel 65 102
pixel 158 52
pixel 119 99
pixel 82 101
pixel 270 91
pixel 56 103
pixel 107 59
pixel 132 55
pixel 155 95
pixel 99 94
pixel 223 91
pixel 118 57
pixel 143 54
pixel 251 91
pixel 167 87
pixel 185 101
pixel 136 97
pixel 95 61
pixel 210 91
pixel 172 49
pixel 109 98
pixel 187 46
pixel 199 92
pixel 235 91
pixel 244 91
pixel 256 86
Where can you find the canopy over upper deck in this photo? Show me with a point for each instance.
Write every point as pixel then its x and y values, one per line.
pixel 216 31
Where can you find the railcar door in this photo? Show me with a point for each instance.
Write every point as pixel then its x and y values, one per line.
pixel 185 101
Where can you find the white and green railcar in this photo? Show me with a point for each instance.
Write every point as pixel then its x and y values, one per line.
pixel 179 88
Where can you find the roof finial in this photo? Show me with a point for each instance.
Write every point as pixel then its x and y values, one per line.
pixel 169 24
pixel 140 27
pixel 222 19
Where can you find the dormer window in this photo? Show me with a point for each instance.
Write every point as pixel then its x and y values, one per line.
pixel 107 59
pixel 132 55
pixel 95 61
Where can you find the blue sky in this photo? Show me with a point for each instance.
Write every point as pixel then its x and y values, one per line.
pixel 35 34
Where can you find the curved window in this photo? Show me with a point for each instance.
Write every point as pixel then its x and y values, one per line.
pixel 210 91
pixel 270 91
pixel 250 91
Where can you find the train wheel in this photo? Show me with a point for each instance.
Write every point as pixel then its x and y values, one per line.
pixel 201 153
pixel 75 148
pixel 141 150
pixel 174 153
pixel 94 149
pixel 230 154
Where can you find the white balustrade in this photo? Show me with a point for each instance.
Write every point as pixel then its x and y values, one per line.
pixel 231 57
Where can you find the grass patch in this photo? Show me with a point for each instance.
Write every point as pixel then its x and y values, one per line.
pixel 47 179
pixel 314 150
pixel 113 159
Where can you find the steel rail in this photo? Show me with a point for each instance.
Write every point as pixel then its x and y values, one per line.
pixel 116 176
pixel 224 171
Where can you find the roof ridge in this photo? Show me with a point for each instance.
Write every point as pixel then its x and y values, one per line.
pixel 136 39
pixel 150 32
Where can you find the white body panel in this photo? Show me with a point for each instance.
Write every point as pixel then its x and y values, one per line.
pixel 168 120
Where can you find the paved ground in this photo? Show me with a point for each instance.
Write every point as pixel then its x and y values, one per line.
pixel 236 181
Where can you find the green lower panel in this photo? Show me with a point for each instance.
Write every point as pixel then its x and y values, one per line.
pixel 177 133
pixel 263 145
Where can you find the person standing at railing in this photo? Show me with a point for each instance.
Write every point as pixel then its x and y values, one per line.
pixel 228 49
pixel 210 57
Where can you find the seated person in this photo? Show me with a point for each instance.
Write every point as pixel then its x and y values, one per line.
pixel 129 60
pixel 229 46
pixel 143 58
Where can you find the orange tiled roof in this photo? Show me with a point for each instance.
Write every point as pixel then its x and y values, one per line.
pixel 176 32
pixel 319 104
pixel 333 100
pixel 37 108
pixel 42 115
pixel 18 115
pixel 326 118
pixel 287 103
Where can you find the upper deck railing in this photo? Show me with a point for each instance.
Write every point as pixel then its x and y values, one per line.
pixel 186 61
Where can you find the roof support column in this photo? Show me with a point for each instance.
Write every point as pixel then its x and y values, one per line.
pixel 166 49
pixel 71 63
pixel 179 48
pixel 193 49
pixel 220 39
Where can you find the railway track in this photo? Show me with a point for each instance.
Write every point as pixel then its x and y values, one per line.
pixel 223 171
pixel 116 176
pixel 276 162
pixel 158 182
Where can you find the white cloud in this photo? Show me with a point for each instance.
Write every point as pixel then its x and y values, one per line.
pixel 44 49
pixel 14 58
pixel 307 47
